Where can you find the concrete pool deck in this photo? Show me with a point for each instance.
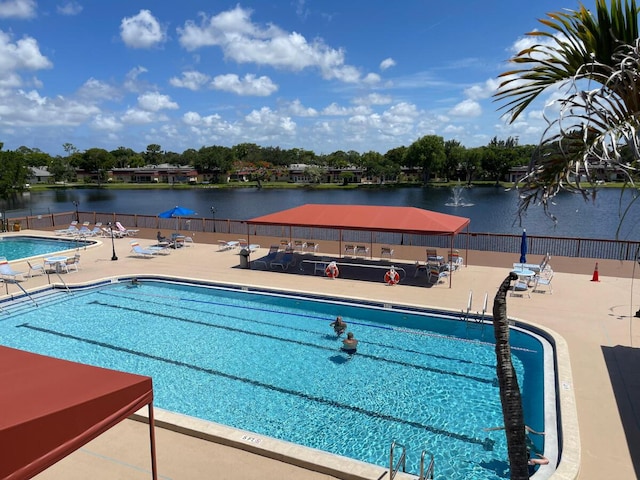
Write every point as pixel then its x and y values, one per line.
pixel 595 319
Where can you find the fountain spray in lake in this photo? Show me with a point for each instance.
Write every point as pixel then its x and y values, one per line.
pixel 456 199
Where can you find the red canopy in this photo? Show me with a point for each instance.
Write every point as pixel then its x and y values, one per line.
pixel 51 407
pixel 367 217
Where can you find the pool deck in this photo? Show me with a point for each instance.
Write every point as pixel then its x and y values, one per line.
pixel 595 319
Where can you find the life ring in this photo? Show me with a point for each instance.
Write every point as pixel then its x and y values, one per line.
pixel 332 270
pixel 392 277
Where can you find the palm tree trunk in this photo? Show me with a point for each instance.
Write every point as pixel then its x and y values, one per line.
pixel 509 390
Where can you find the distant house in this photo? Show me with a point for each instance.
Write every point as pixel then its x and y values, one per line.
pixel 39 175
pixel 155 174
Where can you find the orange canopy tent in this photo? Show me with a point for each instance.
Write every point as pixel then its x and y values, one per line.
pixel 373 218
pixel 52 407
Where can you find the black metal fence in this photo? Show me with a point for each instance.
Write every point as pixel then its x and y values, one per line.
pixel 491 242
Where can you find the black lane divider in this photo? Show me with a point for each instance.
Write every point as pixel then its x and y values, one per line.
pixel 486 443
pixel 260 322
pixel 492 382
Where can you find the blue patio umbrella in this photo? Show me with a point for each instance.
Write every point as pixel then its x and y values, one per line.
pixel 176 212
pixel 523 247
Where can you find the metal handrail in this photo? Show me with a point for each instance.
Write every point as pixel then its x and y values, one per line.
pixel 429 472
pixel 402 460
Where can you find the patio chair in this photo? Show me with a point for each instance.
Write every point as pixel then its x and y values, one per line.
pixel 361 250
pixel 543 281
pixel 455 260
pixel 299 245
pixel 435 274
pixel 267 259
pixel 350 249
pixel 432 256
pixel 312 247
pixel 35 269
pixel 386 252
pixel 71 263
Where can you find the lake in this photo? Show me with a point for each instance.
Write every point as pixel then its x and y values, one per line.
pixel 493 209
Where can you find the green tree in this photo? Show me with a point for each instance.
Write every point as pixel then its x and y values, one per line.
pixel 97 161
pixel 455 155
pixel 427 153
pixel 153 154
pixel 13 173
pixel 580 50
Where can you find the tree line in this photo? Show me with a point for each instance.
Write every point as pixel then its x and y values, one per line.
pixel 431 154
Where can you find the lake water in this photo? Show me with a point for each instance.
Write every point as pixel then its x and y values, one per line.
pixel 493 209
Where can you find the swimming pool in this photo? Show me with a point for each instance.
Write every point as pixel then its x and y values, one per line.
pixel 270 364
pixel 24 246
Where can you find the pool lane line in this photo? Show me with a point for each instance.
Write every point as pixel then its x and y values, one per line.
pixel 486 443
pixel 369 325
pixel 394 329
pixel 493 381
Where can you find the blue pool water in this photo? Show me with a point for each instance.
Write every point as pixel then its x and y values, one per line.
pixel 271 364
pixel 16 247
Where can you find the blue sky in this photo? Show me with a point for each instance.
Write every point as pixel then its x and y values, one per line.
pixel 322 75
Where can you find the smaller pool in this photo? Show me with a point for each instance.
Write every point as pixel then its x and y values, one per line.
pixel 24 246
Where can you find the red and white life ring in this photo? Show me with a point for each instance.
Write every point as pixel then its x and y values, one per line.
pixel 332 270
pixel 392 277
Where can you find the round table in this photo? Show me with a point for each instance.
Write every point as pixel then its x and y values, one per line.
pixel 55 262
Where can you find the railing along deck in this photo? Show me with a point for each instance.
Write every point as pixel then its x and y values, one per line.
pixel 489 242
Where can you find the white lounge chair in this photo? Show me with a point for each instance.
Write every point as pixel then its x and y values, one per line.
pixel 142 252
pixel 126 231
pixel 8 273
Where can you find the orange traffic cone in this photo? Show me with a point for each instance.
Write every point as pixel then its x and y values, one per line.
pixel 595 277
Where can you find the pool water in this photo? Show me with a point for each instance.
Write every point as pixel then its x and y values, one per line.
pixel 271 364
pixel 17 247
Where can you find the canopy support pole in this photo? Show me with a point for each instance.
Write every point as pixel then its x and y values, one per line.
pixel 152 442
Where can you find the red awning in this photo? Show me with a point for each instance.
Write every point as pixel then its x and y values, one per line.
pixel 367 217
pixel 51 407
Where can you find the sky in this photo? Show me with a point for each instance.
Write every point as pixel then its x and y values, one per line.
pixel 321 75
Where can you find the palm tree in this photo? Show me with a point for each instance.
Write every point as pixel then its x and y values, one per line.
pixel 592 124
pixel 510 396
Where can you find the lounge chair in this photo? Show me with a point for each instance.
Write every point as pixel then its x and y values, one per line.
pixel 266 260
pixel 70 230
pixel 8 273
pixel 283 261
pixel 108 232
pixel 535 267
pixel 35 268
pixel 85 231
pixel 224 245
pixel 126 231
pixel 142 252
pixel 188 241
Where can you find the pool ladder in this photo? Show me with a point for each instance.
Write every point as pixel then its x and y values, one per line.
pixel 425 474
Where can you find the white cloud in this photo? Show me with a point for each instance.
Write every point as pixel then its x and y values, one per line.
pixel 336 110
pixel 18 8
pixel 270 123
pixel 485 90
pixel 373 99
pixel 245 42
pixel 296 108
pixel 466 108
pixel 69 8
pixel 154 102
pixel 106 123
pixel 131 80
pixel 192 80
pixel 138 117
pixel 249 85
pixel 93 90
pixel 141 30
pixel 21 55
pixel 387 63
